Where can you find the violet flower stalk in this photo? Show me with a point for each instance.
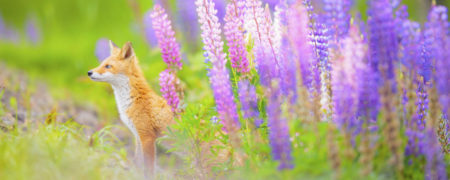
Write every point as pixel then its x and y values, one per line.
pixel 249 101
pixel 2 28
pixel 187 18
pixel 218 74
pixel 171 55
pixel 170 49
pixel 234 34
pixel 288 66
pixel 382 38
pixel 315 66
pixel 102 50
pixel 337 18
pixel 278 129
pixel 298 35
pixel 7 33
pixel 271 3
pixel 438 42
pixel 435 164
pixel 220 6
pixel 345 80
pixel 410 49
pixel 259 25
pixel 167 81
pixel 321 49
pixel 149 33
pixel 32 31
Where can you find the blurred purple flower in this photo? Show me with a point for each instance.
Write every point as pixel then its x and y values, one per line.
pixel 6 33
pixel 271 3
pixel 337 18
pixel 382 38
pixel 102 50
pixel 168 89
pixel 32 31
pixel 437 45
pixel 187 18
pixel 415 127
pixel 410 48
pixel 435 165
pixel 278 129
pixel 170 49
pixel 148 30
pixel 298 34
pixel 218 74
pixel 316 33
pixel 368 96
pixel 249 101
pixel 2 27
pixel 345 80
pixel 259 24
pixel 220 5
pixel 288 66
pixel 234 33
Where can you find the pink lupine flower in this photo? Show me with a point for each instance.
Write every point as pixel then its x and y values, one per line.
pixel 170 49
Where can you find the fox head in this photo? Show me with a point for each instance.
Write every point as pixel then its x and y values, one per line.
pixel 119 65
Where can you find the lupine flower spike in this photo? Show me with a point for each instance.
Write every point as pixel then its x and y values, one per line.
pixel 170 49
pixel 234 33
pixel 218 74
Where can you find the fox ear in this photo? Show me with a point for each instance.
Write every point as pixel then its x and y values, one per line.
pixel 127 51
pixel 113 47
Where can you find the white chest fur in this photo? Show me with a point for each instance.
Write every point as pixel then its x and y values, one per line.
pixel 121 87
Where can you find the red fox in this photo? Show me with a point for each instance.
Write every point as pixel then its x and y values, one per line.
pixel 144 112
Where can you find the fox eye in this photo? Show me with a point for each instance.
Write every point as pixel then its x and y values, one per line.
pixel 108 66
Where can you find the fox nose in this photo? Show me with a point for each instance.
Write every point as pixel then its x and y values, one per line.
pixel 89 73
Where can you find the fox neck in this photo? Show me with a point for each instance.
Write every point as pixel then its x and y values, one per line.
pixel 126 90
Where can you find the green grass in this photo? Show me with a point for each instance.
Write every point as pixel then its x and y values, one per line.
pixel 61 151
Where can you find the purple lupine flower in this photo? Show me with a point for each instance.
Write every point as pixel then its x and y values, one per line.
pixel 315 34
pixel 259 25
pixel 218 74
pixel 298 34
pixel 168 89
pixel 382 38
pixel 187 18
pixel 7 33
pixel 435 164
pixel 337 18
pixel 234 33
pixel 288 66
pixel 415 127
pixel 2 27
pixel 278 129
pixel 401 15
pixel 410 48
pixel 345 80
pixel 102 50
pixel 368 103
pixel 249 101
pixel 220 5
pixel 438 42
pixel 32 31
pixel 368 96
pixel 271 3
pixel 170 49
pixel 149 33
